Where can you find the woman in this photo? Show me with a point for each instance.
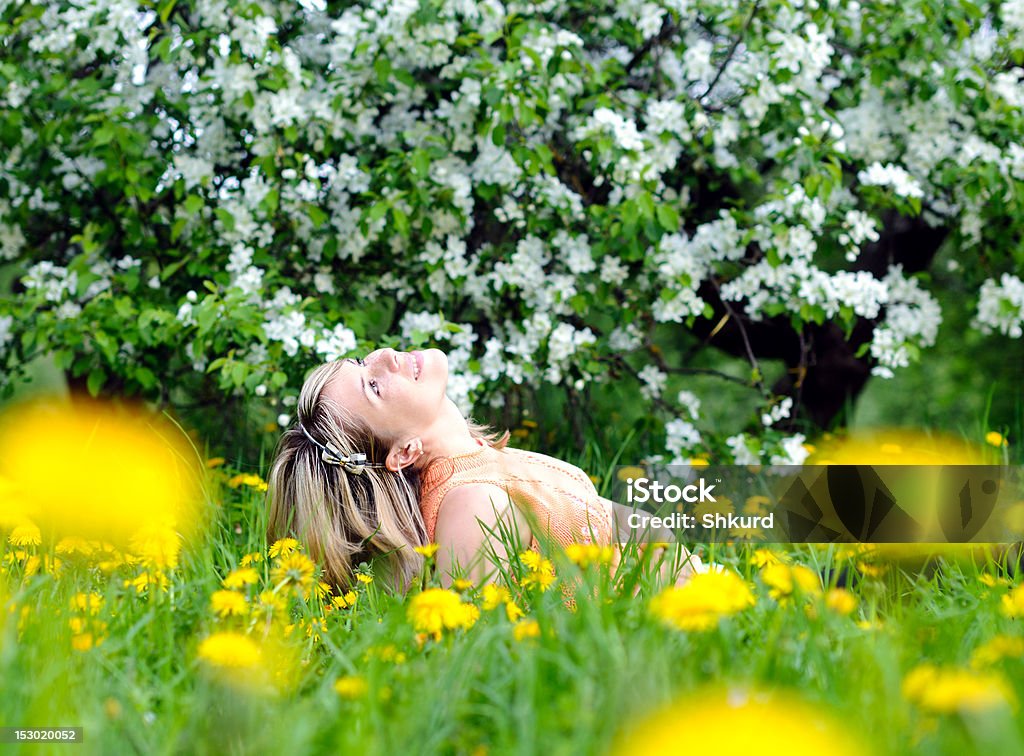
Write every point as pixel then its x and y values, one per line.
pixel 380 460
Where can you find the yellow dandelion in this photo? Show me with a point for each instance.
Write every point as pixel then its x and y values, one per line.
pixel 1013 603
pixel 541 571
pixel 755 505
pixel 462 584
pixel 345 600
pixel 527 628
pixel 25 534
pixel 157 546
pixel 248 479
pixel 999 648
pixel 993 438
pixel 228 603
pixel 295 569
pixel 512 611
pixel 87 603
pixel 147 579
pixel 350 686
pixel 869 625
pixel 763 557
pixel 214 462
pixel 494 596
pixel 721 720
pixel 629 472
pixel 946 690
pixel 840 601
pixel 230 651
pixel 270 605
pixel 316 629
pixel 437 609
pixel 992 581
pixel 784 580
pixel 428 551
pixel 279 548
pixel 702 601
pixel 322 590
pixel 586 554
pixel 253 558
pixel 529 423
pixel 721 506
pixel 699 462
pixel 872 570
pixel 241 577
pixel 366 579
pixel 69 545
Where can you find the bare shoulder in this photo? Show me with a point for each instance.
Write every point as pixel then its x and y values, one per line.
pixel 467 504
pixel 474 500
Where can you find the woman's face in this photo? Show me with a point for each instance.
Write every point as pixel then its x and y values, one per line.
pixel 397 394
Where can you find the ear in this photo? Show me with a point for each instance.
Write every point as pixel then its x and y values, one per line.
pixel 404 454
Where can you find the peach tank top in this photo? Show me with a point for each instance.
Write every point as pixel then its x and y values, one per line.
pixel 559 496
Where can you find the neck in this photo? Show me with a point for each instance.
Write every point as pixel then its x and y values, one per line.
pixel 448 436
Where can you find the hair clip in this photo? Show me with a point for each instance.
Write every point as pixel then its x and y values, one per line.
pixel 353 463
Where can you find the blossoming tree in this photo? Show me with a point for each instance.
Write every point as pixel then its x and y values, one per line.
pixel 215 194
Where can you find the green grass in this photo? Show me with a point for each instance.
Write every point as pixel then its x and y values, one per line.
pixel 589 678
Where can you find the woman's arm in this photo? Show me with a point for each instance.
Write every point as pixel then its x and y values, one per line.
pixel 645 536
pixel 468 517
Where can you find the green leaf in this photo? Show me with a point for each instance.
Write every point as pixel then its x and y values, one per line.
pixel 193 203
pixel 95 381
pixel 668 218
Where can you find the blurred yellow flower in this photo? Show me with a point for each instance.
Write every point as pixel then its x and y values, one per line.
pixel 230 650
pixel 999 648
pixel 626 473
pixel 586 554
pixel 367 579
pixel 89 603
pixel 512 611
pixel 763 557
pixel 157 545
pixel 699 462
pixel 755 505
pixel 241 577
pixel 437 609
pixel 228 603
pixel 248 479
pixel 494 596
pixel 739 722
pixel 350 686
pixel 70 545
pixel 1013 603
pixel 25 535
pixel 987 578
pixel 462 584
pixel 270 605
pixel 703 601
pixel 87 635
pixel 214 462
pixel 840 601
pixel 783 580
pixel 945 690
pixel 147 578
pixel 279 548
pixel 87 468
pixel 527 628
pixel 295 570
pixel 993 438
pixel 254 557
pixel 428 551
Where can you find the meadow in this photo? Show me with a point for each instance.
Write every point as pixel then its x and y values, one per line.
pixel 223 643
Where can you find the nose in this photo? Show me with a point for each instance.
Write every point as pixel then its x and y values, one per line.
pixel 389 359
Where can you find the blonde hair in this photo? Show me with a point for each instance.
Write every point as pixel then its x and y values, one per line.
pixel 345 519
